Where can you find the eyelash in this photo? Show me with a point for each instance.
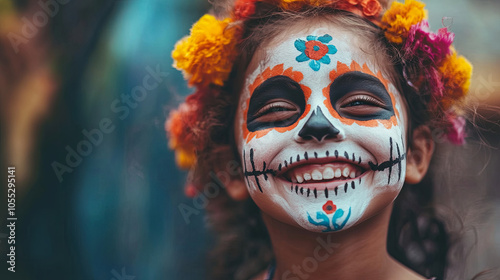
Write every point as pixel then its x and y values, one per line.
pixel 269 108
pixel 363 98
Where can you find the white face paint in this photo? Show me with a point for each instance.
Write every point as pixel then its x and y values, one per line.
pixel 320 131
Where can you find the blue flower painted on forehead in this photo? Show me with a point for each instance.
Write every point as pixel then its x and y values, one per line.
pixel 316 50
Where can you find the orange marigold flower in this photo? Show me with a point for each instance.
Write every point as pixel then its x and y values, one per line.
pixel 207 55
pixel 244 9
pixel 400 17
pixel 292 4
pixel 371 8
pixel 457 72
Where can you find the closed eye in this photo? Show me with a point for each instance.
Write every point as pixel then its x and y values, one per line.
pixel 360 96
pixel 361 105
pixel 358 100
pixel 276 110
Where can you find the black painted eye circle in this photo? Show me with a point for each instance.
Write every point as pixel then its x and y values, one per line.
pixel 277 102
pixel 360 96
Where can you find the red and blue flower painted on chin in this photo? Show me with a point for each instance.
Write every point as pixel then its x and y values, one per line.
pixel 323 220
pixel 315 50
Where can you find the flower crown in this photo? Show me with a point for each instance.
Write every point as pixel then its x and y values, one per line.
pixel 206 58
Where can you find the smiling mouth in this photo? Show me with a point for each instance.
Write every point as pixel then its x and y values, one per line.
pixel 322 172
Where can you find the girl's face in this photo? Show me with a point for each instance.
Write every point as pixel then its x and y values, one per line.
pixel 320 130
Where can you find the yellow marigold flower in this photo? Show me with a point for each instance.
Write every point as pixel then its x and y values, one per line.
pixel 457 73
pixel 207 55
pixel 292 4
pixel 299 4
pixel 185 158
pixel 400 17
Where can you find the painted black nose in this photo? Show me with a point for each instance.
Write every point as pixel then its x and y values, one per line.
pixel 318 127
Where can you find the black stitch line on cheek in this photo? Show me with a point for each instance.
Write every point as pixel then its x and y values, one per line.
pixel 264 168
pixel 302 190
pixel 286 165
pixel 308 192
pixel 315 155
pixel 359 161
pixel 279 167
pixel 353 157
pixel 336 154
pixel 306 156
pixel 345 187
pixel 315 193
pixel 336 190
pixel 352 185
pixel 399 163
pixel 291 160
pixel 390 162
pixel 255 174
pixel 298 158
pixel 387 164
pixel 327 153
pixel 245 165
pixel 346 155
pixel 326 192
pixel 360 180
pixel 297 189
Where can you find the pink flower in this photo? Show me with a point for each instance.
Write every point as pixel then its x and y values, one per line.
pixel 427 50
pixel 456 131
pixel 430 46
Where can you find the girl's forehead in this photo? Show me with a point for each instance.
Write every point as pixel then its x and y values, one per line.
pixel 316 49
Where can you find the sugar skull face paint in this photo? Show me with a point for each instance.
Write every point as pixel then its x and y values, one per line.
pixel 322 147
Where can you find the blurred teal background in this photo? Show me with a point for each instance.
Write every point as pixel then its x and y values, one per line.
pixel 114 214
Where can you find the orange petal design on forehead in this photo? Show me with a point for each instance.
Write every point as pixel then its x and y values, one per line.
pixel 342 69
pixel 269 72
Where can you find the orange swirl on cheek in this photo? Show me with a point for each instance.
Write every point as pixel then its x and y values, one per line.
pixel 342 69
pixel 269 72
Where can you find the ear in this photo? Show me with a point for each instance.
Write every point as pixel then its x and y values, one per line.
pixel 419 154
pixel 237 189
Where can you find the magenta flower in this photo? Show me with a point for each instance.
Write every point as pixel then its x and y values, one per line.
pixel 428 49
pixel 456 131
pixel 430 46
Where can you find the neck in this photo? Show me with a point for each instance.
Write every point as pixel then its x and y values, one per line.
pixel 355 253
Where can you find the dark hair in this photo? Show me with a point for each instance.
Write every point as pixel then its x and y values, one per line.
pixel 416 237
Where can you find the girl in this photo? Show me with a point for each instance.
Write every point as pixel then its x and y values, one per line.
pixel 313 115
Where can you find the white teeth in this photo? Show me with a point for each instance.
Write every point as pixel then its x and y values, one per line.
pixel 316 175
pixel 299 178
pixel 345 173
pixel 328 173
pixel 325 173
pixel 338 173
